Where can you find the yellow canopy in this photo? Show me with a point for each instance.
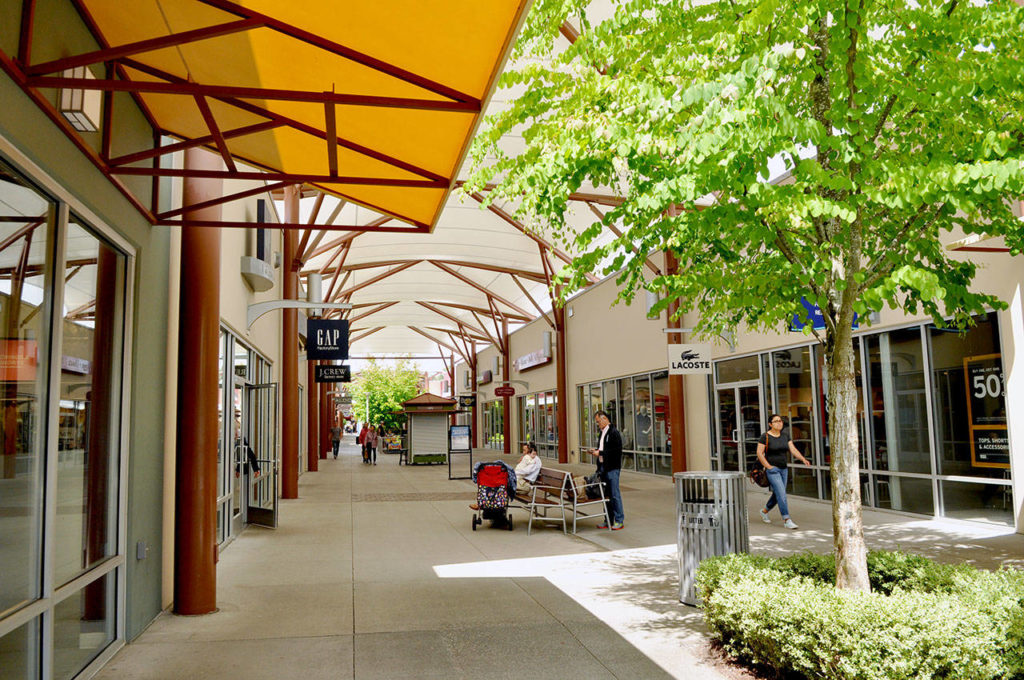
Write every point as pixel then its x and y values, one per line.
pixel 404 80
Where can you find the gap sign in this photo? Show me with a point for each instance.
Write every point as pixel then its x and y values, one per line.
pixel 333 374
pixel 327 339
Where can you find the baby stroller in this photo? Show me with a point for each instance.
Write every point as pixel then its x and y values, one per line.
pixel 492 495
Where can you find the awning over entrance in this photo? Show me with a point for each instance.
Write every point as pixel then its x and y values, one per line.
pixel 374 102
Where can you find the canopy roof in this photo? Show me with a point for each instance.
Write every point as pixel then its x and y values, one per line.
pixel 372 101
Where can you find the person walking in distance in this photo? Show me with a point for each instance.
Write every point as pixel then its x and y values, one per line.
pixel 361 439
pixel 371 445
pixel 609 463
pixel 772 451
pixel 335 440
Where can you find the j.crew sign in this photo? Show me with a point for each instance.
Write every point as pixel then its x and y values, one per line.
pixel 327 339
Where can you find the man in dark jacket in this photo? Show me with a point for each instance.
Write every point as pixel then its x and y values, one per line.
pixel 609 461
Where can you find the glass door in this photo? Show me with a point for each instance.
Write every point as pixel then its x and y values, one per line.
pixel 740 424
pixel 261 468
pixel 239 445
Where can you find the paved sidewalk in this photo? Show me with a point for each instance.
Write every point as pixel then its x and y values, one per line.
pixel 375 573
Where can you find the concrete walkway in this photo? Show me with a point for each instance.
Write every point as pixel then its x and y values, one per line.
pixel 375 573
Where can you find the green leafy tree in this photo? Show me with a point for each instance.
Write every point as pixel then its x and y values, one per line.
pixel 899 125
pixel 383 388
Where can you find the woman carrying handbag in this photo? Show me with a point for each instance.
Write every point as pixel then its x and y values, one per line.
pixel 772 451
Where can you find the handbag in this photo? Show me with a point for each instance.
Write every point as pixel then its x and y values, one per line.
pixel 758 476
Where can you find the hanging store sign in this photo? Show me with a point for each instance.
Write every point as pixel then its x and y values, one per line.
pixel 467 401
pixel 327 339
pixel 484 378
pixel 333 374
pixel 504 391
pixel 75 365
pixel 812 317
pixel 532 360
pixel 343 400
pixel 689 359
pixel 986 411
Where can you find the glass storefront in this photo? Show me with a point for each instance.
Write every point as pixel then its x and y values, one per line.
pixel 62 297
pixel 931 417
pixel 538 422
pixel 638 406
pixel 494 424
pixel 241 482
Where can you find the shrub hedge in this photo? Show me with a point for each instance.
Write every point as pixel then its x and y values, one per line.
pixel 922 620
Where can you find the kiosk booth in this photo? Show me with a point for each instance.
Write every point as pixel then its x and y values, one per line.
pixel 428 416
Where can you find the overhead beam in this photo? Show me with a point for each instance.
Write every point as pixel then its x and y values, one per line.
pixel 151 45
pixel 615 230
pixel 529 297
pixel 432 338
pixel 218 138
pixel 227 224
pixel 224 199
pixel 379 308
pixel 293 124
pixel 295 178
pixel 474 284
pixel 454 319
pixel 191 143
pixel 524 318
pixel 342 51
pixel 374 279
pixel 356 338
pixel 538 277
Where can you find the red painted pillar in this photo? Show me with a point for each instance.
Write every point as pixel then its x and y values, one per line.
pixel 676 406
pixel 506 402
pixel 290 353
pixel 325 417
pixel 562 369
pixel 312 418
pixel 195 530
pixel 472 384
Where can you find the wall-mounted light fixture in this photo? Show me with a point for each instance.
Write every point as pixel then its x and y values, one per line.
pixel 81 107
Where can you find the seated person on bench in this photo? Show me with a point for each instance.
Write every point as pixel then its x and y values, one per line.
pixel 527 469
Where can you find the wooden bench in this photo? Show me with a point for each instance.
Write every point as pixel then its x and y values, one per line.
pixel 556 490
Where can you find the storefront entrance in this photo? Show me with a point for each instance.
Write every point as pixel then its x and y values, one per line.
pixel 740 424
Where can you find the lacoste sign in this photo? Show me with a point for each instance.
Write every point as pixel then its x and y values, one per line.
pixel 689 359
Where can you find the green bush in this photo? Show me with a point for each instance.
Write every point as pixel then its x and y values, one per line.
pixel 923 621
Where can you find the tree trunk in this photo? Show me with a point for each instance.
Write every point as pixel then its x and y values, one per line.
pixel 847 525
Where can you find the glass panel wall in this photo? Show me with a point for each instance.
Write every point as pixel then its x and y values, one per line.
pixel 930 412
pixel 638 407
pixel 26 230
pixel 89 384
pixel 61 379
pixel 538 422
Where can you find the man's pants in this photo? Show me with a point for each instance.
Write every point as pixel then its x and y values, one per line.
pixel 335 443
pixel 615 511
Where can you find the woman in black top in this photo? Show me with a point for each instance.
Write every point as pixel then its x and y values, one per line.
pixel 772 450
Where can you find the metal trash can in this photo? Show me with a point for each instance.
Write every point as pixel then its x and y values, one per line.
pixel 712 508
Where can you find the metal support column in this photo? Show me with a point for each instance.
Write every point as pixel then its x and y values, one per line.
pixel 290 352
pixel 195 529
pixel 561 376
pixel 325 416
pixel 312 418
pixel 473 412
pixel 506 402
pixel 676 405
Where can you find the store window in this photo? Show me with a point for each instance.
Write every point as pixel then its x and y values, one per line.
pixel 87 481
pixel 494 424
pixel 62 295
pixel 898 402
pixel 971 421
pixel 538 422
pixel 26 229
pixel 638 406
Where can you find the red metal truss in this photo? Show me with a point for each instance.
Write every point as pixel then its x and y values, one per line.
pixel 341 50
pixel 120 65
pixel 114 53
pixel 223 199
pixel 407 229
pixel 269 94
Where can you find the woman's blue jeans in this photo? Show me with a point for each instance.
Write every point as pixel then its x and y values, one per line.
pixel 777 478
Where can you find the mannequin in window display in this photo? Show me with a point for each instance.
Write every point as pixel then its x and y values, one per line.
pixel 643 428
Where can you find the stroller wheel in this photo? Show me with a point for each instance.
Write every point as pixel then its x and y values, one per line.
pixel 475 522
pixel 510 523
